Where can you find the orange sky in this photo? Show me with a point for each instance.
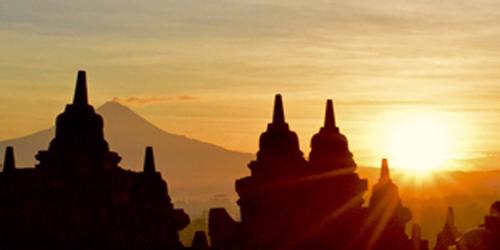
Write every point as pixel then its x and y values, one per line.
pixel 209 69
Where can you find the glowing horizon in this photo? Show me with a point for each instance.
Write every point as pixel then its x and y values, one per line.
pixel 209 70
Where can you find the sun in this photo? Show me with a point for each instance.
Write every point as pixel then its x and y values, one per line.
pixel 420 144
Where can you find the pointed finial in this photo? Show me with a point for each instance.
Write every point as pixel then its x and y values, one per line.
pixel 81 97
pixel 149 161
pixel 9 163
pixel 330 115
pixel 450 217
pixel 278 114
pixel 200 241
pixel 416 232
pixel 385 174
pixel 416 237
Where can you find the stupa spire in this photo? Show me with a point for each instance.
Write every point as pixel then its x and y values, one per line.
pixel 450 218
pixel 200 241
pixel 448 235
pixel 329 115
pixel 81 97
pixel 149 161
pixel 416 237
pixel 9 163
pixel 278 113
pixel 416 233
pixel 385 173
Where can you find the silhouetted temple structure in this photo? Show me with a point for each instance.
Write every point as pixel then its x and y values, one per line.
pixel 290 203
pixel 389 216
pixel 78 197
pixel 449 234
pixel 484 237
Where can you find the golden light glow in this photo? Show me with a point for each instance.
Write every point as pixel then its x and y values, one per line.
pixel 420 144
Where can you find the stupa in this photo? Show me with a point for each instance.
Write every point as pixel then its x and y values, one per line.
pixel 78 197
pixel 290 203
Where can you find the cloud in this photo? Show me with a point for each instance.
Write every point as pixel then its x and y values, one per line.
pixel 370 102
pixel 484 161
pixel 148 100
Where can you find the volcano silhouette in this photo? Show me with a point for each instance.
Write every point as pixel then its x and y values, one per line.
pixel 190 167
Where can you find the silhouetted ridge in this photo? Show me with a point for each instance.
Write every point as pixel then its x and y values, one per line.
pixel 9 163
pixel 113 106
pixel 119 113
pixel 81 96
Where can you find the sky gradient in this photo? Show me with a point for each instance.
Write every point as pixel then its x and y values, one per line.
pixel 210 69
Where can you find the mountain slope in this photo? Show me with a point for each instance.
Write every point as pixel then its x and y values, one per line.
pixel 191 167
